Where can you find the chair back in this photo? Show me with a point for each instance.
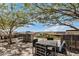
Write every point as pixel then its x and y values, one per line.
pixel 62 48
pixel 34 42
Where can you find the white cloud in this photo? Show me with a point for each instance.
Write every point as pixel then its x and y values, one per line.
pixel 57 28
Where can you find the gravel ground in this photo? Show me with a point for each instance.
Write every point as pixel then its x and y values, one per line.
pixel 17 49
pixel 21 49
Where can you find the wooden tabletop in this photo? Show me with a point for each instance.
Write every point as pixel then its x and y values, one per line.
pixel 48 43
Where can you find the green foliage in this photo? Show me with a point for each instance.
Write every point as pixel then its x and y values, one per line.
pixel 27 5
pixel 56 13
pixel 11 18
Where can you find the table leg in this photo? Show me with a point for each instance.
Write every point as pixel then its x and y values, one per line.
pixel 46 51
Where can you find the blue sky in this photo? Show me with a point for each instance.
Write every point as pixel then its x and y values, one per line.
pixel 39 27
pixel 36 28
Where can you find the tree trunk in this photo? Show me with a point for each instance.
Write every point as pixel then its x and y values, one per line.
pixel 10 37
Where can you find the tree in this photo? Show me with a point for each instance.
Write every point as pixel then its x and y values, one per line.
pixel 56 13
pixel 11 19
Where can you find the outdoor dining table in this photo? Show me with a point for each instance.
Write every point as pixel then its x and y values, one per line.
pixel 46 44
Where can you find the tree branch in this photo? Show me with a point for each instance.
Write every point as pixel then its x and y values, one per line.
pixel 68 25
